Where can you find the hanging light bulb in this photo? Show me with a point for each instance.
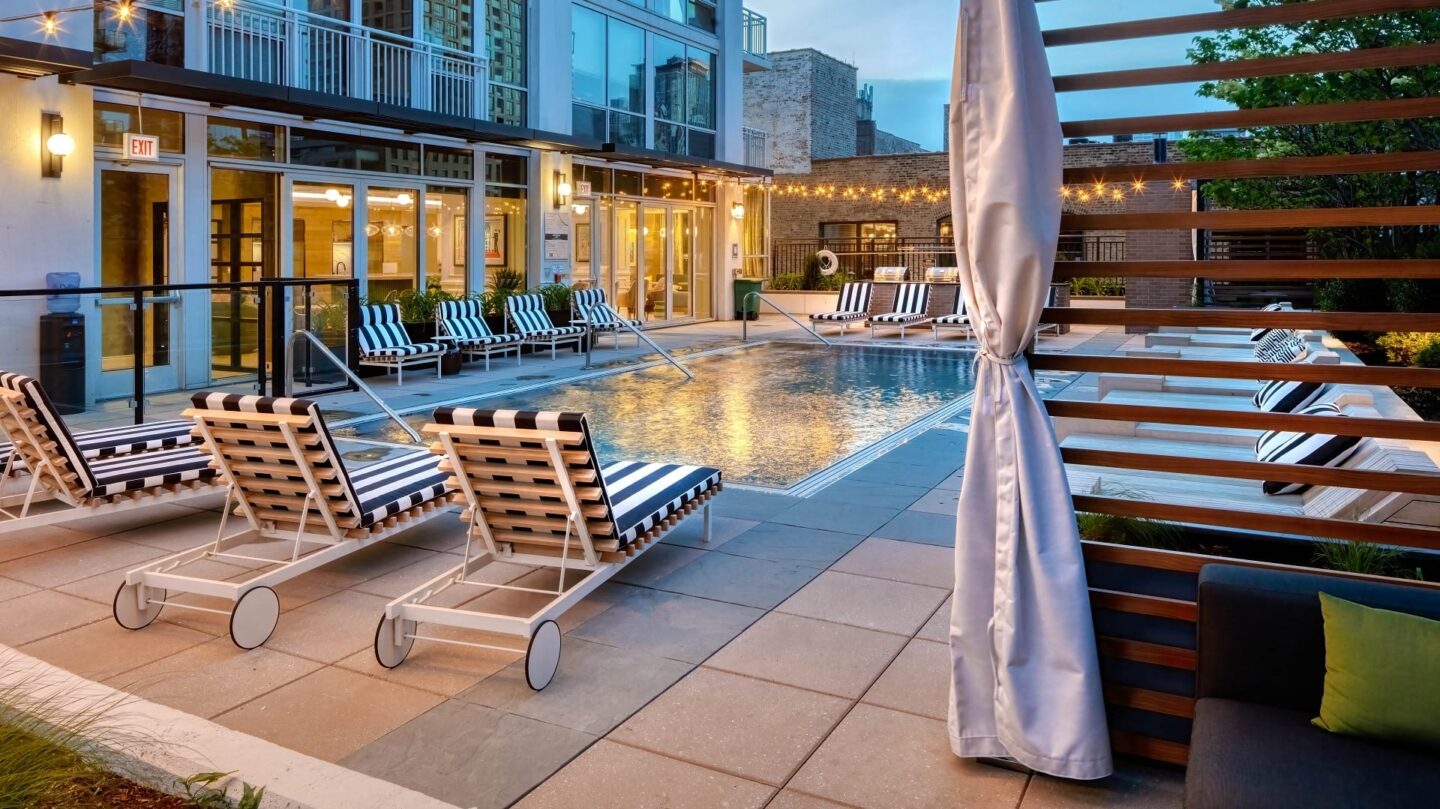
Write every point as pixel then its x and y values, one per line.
pixel 403 198
pixel 50 23
pixel 332 194
pixel 123 11
pixel 343 201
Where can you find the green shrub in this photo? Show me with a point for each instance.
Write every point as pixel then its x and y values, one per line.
pixel 788 281
pixel 1429 356
pixel 506 279
pixel 1401 347
pixel 557 297
pixel 1098 287
pixel 812 273
pixel 1137 531
pixel 832 283
pixel 1359 557
pixel 1349 295
pixel 419 307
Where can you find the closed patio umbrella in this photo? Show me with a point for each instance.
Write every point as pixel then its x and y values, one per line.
pixel 1026 678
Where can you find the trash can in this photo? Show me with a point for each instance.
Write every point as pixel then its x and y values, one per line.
pixel 746 310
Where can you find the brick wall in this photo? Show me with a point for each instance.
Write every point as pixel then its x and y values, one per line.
pixel 806 104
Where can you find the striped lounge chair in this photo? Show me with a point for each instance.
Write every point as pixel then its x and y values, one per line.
pixel 1051 301
pixel 288 482
pixel 527 315
pixel 536 495
pixel 958 318
pixel 911 301
pixel 70 480
pixel 384 343
pixel 588 307
pixel 463 324
pixel 852 305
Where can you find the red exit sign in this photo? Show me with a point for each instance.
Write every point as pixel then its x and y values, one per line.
pixel 142 147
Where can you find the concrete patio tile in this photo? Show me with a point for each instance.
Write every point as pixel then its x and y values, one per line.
pixel 722 530
pixel 470 755
pixel 521 604
pixel 939 501
pixel 746 727
pixel 210 679
pixel 789 543
pixel 657 562
pixel 1133 786
pixel 44 613
pixel 917 526
pixel 38 540
pixel 663 624
pixel 103 649
pixel 917 682
pixel 901 561
pixel 596 687
pixel 370 563
pixel 402 580
pixel 888 606
pixel 110 524
pixel 951 483
pixel 891 760
pixel 101 587
pixel 790 799
pixel 189 530
pixel 9 588
pixel 806 653
pixel 749 504
pixel 863 493
pixel 443 533
pixel 330 629
pixel 614 776
pixel 440 668
pixel 73 562
pixel 938 627
pixel 835 515
pixel 329 714
pixel 738 579
pixel 883 471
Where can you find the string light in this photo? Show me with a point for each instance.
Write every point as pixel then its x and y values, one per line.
pixel 50 22
pixel 910 195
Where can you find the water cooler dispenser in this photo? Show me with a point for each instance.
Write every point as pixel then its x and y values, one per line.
pixel 62 345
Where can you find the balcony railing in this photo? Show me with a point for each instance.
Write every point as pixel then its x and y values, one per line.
pixel 299 49
pixel 754 36
pixel 757 144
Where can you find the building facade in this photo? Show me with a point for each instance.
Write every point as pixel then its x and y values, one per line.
pixel 407 145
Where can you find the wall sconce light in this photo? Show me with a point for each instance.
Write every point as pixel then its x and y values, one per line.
pixel 54 144
pixel 580 209
pixel 737 211
pixel 562 189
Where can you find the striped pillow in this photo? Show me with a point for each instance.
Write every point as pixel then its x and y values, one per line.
pixel 1308 449
pixel 1286 396
pixel 1256 334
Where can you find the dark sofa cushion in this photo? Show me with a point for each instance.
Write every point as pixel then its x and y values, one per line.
pixel 1248 756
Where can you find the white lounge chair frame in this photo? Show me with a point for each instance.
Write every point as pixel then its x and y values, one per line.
pixel 270 461
pixel 1050 303
pixel 527 314
pixel 588 307
pixel 462 323
pixel 852 305
pixel 957 319
pixel 500 474
pixel 381 322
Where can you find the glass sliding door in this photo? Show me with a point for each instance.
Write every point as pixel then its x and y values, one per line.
pixel 392 247
pixel 243 248
pixel 446 243
pixel 656 241
pixel 626 260
pixel 704 262
pixel 682 276
pixel 322 247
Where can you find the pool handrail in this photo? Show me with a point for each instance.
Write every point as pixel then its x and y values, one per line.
pixel 615 319
pixel 745 321
pixel 344 369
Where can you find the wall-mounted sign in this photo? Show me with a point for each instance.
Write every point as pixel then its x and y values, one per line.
pixel 142 147
pixel 583 188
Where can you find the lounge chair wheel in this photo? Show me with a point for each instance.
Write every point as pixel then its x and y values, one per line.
pixel 129 613
pixel 388 653
pixel 543 656
pixel 254 617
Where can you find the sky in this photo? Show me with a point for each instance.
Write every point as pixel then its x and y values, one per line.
pixel 906 52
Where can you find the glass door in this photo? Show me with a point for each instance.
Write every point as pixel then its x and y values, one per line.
pixel 625 258
pixel 682 278
pixel 322 247
pixel 243 249
pixel 139 238
pixel 656 241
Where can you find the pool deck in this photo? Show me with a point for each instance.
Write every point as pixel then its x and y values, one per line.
pixel 798 660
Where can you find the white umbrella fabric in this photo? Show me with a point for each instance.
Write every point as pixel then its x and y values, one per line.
pixel 1026 676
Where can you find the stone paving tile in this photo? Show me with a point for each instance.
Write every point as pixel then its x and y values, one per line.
pixel 869 603
pixel 657 562
pixel 328 630
pixel 917 526
pixel 938 627
pixel 665 624
pixel 186 531
pixel 110 524
pixel 356 710
pixel 372 562
pixel 864 493
pixel 1133 786
pixel 835 515
pixel 789 543
pixel 806 653
pixel 73 562
pixel 945 502
pixel 9 588
pixel 738 579
pixel 587 693
pixel 210 679
pixel 103 649
pixel 38 540
pixel 901 561
pixel 917 682
pixel 470 755
pixel 614 776
pixel 44 613
pixel 746 727
pixel 890 760
pixel 440 668
pixel 750 504
pixel 445 533
pixel 903 473
pixel 521 604
pixel 722 530
pixel 402 580
pixel 790 799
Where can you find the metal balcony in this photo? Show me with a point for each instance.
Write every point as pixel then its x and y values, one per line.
pixel 753 41
pixel 757 145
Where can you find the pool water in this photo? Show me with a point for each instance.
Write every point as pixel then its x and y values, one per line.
pixel 767 415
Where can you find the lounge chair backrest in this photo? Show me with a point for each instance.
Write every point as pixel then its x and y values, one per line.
pixel 463 319
pixel 583 300
pixel 911 299
pixel 40 424
pixel 528 313
pixel 959 307
pixel 510 464
pixel 380 327
pixel 854 297
pixel 1052 297
pixel 246 435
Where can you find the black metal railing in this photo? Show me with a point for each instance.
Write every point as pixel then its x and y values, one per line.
pixel 860 257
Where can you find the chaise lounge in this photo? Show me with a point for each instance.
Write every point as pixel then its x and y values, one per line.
pixel 589 308
pixel 384 343
pixel 463 324
pixel 908 311
pixel 526 313
pixel 853 305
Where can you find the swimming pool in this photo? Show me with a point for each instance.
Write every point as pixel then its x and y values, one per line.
pixel 771 415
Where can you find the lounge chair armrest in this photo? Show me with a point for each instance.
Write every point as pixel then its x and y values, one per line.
pixel 231 415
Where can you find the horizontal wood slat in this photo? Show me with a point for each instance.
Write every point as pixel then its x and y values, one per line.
pixel 1253 420
pixel 1301 372
pixel 1153 653
pixel 1292 524
pixel 1260 270
pixel 1142 557
pixel 1373 480
pixel 1377 216
pixel 1145 699
pixel 1246 318
pixel 1234 18
pixel 1164 750
pixel 1154 606
pixel 1427 160
pixel 1261 116
pixel 1359 59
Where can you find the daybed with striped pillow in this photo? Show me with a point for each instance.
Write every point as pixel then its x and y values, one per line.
pixel 463 323
pixel 1307 449
pixel 1257 333
pixel 908 311
pixel 384 343
pixel 852 305
pixel 529 319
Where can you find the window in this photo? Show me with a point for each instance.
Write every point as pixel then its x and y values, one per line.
pixel 587 56
pixel 388 15
pixel 697 13
pixel 869 234
pixel 626 63
pixel 227 138
pixel 449 23
pixel 148 36
pixel 112 121
pixel 505 27
pixel 333 150
pixel 450 164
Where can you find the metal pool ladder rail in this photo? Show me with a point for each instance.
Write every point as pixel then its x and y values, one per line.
pixel 604 310
pixel 344 369
pixel 745 322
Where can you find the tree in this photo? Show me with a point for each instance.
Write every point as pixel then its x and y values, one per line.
pixel 1368 137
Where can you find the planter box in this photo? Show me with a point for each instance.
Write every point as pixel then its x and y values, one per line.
pixel 799 303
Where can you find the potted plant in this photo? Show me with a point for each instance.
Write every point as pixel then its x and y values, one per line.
pixel 557 302
pixel 417 311
pixel 504 283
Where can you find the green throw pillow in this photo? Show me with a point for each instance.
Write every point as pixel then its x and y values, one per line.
pixel 1382 674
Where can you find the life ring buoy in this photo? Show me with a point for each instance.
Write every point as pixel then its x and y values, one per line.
pixel 829 262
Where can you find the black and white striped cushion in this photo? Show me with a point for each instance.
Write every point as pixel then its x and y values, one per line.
pixel 603 318
pixel 853 304
pixel 1281 345
pixel 411 350
pixel 1308 449
pixel 1287 396
pixel 583 300
pixel 644 494
pixel 165 467
pixel 528 314
pixel 1257 334
pixel 380 328
pixel 68 455
pixel 959 317
pixel 911 301
pixel 464 321
pixel 114 441
pixel 396 484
